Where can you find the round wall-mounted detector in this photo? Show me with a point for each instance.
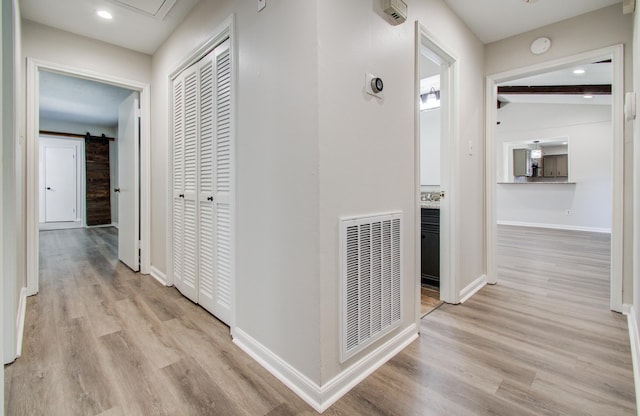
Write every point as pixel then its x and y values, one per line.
pixel 540 46
pixel 377 85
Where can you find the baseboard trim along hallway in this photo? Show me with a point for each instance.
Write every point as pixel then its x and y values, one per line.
pixel 318 397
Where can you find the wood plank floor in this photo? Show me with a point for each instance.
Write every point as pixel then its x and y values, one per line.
pixel 101 340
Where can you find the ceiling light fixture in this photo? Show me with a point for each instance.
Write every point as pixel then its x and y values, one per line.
pixel 587 96
pixel 579 71
pixel 104 14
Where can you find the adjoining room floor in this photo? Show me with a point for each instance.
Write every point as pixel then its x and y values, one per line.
pixel 429 299
pixel 100 339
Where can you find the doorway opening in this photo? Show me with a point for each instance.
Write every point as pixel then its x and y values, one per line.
pixel 436 137
pixel 559 177
pixel 102 124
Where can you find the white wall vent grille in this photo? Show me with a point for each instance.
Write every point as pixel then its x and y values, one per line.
pixel 371 257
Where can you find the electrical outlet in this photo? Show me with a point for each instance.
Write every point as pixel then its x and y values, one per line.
pixel 262 4
pixel 569 212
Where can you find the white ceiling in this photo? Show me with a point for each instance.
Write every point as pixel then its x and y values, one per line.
pixel 136 24
pixel 492 20
pixel 143 25
pixel 595 74
pixel 77 100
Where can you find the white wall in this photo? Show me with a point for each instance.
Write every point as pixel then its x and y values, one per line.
pixel 13 271
pixel 63 48
pixel 570 37
pixel 430 147
pixel 3 326
pixel 588 128
pixel 367 145
pixel 635 344
pixel 277 282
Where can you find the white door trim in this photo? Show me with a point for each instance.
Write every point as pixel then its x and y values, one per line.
pixel 34 66
pixel 449 282
pixel 616 53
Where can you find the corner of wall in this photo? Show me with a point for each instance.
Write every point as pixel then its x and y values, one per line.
pixel 320 398
pixel 634 339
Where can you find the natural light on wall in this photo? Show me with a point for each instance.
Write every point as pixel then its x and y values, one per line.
pixel 430 93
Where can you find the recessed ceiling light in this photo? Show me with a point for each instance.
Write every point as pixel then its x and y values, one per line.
pixel 529 1
pixel 579 71
pixel 104 14
pixel 587 96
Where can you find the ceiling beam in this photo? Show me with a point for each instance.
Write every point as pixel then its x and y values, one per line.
pixel 602 89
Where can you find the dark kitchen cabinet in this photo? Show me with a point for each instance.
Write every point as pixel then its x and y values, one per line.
pixel 430 246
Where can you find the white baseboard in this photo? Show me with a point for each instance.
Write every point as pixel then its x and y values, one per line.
pixel 22 311
pixel 634 338
pixel 318 397
pixel 48 226
pixel 472 288
pixel 556 226
pixel 100 226
pixel 115 224
pixel 159 276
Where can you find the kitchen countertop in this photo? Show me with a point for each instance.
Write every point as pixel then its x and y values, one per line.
pixel 430 204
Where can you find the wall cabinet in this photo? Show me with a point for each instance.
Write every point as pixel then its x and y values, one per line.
pixel 555 166
pixel 430 246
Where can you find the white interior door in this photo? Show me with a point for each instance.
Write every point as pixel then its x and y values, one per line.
pixel 60 183
pixel 128 182
pixel 202 183
pixel 216 183
pixel 185 179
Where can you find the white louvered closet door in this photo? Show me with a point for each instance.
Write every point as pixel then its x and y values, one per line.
pixel 215 183
pixel 202 183
pixel 185 183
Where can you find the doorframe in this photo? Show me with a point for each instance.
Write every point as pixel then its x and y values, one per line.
pixel 34 66
pixel 449 282
pixel 616 53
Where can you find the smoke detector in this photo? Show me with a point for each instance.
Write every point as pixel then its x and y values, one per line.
pixel 397 9
pixel 530 1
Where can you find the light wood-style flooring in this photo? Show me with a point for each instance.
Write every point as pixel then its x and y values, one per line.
pixel 429 299
pixel 101 340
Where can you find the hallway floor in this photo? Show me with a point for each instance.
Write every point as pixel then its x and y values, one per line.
pixel 102 340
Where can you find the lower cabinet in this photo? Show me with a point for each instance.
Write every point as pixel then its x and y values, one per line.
pixel 430 246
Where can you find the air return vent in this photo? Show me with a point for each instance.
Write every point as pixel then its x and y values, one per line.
pixel 371 275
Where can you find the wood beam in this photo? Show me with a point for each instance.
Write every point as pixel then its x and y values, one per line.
pixel 601 89
pixel 74 135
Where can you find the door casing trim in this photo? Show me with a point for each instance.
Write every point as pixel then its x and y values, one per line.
pixel 34 66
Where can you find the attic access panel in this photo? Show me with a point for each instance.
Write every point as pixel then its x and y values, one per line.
pixel 154 8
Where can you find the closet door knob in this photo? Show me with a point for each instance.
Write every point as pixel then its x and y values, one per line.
pixel 116 190
pixel 209 198
pixel 181 195
pixel 48 188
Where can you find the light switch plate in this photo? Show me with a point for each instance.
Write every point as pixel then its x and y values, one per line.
pixel 262 4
